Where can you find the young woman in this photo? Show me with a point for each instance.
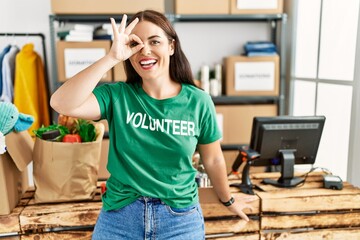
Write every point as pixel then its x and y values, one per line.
pixel 157 119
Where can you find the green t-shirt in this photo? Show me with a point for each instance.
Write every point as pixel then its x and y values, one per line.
pixel 152 142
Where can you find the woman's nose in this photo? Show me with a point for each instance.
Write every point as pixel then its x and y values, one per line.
pixel 146 50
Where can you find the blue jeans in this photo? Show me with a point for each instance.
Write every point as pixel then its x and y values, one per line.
pixel 150 219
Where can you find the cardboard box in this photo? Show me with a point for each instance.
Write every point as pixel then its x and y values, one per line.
pixel 13 171
pixel 72 57
pixel 105 6
pixel 256 6
pixel 252 76
pixel 202 7
pixel 119 72
pixel 235 121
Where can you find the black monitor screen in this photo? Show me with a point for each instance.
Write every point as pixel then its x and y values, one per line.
pixel 280 141
pixel 272 135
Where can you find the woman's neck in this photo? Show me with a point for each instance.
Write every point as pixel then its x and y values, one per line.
pixel 161 89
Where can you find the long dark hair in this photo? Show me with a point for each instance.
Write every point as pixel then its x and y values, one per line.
pixel 180 70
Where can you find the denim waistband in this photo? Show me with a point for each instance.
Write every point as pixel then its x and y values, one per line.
pixel 150 200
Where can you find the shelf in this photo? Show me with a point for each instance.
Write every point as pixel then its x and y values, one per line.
pixel 177 17
pixel 226 17
pixel 85 18
pixel 242 100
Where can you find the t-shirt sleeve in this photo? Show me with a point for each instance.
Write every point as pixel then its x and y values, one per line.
pixel 209 128
pixel 103 94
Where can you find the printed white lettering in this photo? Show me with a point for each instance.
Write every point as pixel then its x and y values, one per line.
pixel 139 122
pixel 143 122
pixel 176 127
pixel 152 124
pixel 158 125
pixel 129 117
pixel 191 129
pixel 184 125
pixel 168 123
pixel 169 126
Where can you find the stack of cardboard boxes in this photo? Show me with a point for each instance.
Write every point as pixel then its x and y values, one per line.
pixel 229 7
pixel 247 76
pixel 104 6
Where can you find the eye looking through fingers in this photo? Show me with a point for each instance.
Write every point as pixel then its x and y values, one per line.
pixel 133 44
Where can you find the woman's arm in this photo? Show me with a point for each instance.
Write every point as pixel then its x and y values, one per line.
pixel 74 98
pixel 214 163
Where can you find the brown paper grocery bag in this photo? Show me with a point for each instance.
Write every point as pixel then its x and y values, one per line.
pixel 66 171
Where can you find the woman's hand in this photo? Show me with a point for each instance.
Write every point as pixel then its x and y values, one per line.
pixel 240 204
pixel 124 43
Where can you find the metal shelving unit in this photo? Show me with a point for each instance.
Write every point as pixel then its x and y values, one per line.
pixel 277 22
pixel 243 100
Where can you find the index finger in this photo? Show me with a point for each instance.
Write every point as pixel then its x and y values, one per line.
pixel 131 26
pixel 114 28
pixel 123 24
pixel 244 216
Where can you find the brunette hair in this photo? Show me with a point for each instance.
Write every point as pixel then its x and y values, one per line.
pixel 179 68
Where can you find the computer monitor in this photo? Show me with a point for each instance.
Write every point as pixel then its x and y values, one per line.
pixel 282 141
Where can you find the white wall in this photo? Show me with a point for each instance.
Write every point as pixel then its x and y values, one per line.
pixel 25 16
pixel 208 43
pixel 354 153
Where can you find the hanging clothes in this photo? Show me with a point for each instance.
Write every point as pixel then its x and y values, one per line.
pixel 2 55
pixel 8 72
pixel 30 93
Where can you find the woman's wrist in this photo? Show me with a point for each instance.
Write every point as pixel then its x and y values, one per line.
pixel 229 202
pixel 112 58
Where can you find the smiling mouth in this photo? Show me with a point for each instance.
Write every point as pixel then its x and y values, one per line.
pixel 148 63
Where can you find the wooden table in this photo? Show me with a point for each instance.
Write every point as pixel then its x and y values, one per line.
pixel 306 212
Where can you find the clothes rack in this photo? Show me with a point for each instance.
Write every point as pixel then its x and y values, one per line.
pixel 42 36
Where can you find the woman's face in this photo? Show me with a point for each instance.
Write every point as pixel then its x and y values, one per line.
pixel 153 60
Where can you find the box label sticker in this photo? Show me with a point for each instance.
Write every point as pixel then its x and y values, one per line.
pixel 254 76
pixel 257 4
pixel 77 59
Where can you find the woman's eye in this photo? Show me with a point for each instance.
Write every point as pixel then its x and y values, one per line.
pixel 133 44
pixel 155 42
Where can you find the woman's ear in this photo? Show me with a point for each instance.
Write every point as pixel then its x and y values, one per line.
pixel 172 47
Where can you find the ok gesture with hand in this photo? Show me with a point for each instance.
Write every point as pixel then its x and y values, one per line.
pixel 124 43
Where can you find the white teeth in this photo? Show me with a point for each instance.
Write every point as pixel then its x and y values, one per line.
pixel 146 62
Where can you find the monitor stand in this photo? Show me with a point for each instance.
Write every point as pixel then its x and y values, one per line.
pixel 245 186
pixel 287 179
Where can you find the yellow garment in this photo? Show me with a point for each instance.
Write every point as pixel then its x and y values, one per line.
pixel 30 93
